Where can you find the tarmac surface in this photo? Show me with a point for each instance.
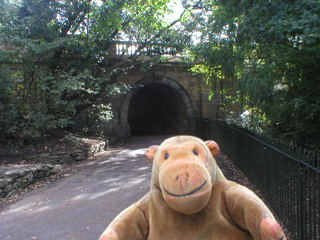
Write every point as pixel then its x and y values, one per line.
pixel 82 204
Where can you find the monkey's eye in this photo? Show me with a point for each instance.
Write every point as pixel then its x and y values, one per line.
pixel 195 152
pixel 166 156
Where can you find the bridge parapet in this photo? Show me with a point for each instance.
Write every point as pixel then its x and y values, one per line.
pixel 126 49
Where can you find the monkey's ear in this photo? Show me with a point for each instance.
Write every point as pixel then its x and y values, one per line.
pixel 213 147
pixel 151 152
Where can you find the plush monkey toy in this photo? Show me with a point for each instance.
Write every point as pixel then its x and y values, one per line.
pixel 190 199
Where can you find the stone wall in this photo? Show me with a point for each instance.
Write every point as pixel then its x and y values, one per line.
pixel 16 177
pixel 68 157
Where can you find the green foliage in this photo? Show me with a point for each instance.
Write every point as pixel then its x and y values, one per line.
pixel 75 141
pixel 269 50
pixel 9 112
pixel 54 70
pixel 23 115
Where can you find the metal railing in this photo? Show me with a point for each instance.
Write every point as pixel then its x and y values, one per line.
pixel 287 176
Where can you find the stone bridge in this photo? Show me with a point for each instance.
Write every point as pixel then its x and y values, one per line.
pixel 163 100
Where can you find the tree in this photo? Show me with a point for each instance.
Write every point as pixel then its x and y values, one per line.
pixel 60 59
pixel 270 50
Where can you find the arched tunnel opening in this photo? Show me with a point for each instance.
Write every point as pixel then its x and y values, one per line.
pixel 157 108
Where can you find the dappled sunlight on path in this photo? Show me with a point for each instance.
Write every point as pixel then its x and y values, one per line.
pixel 82 204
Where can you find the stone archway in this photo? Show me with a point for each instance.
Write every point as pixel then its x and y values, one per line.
pixel 157 107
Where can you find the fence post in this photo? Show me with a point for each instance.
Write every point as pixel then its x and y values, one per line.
pixel 267 170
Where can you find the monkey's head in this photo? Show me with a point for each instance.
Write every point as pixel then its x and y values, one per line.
pixel 184 169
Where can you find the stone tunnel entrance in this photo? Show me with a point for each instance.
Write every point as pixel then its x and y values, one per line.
pixel 157 108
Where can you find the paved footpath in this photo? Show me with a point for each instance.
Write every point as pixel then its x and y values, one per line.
pixel 80 206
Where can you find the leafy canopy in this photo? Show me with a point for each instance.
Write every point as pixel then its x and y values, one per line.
pixel 261 56
pixel 266 55
pixel 54 60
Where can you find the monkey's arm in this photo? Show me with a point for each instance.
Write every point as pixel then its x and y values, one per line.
pixel 132 223
pixel 251 214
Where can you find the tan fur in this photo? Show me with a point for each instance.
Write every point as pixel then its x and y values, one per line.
pixel 200 203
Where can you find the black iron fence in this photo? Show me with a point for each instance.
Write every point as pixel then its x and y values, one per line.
pixel 287 176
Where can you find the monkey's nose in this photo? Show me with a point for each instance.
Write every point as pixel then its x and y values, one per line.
pixel 182 176
pixel 182 179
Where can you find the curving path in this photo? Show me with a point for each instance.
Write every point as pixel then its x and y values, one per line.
pixel 80 206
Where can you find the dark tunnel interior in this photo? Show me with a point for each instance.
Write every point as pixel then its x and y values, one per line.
pixel 157 109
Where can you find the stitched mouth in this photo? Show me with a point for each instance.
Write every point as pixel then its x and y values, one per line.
pixel 186 194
